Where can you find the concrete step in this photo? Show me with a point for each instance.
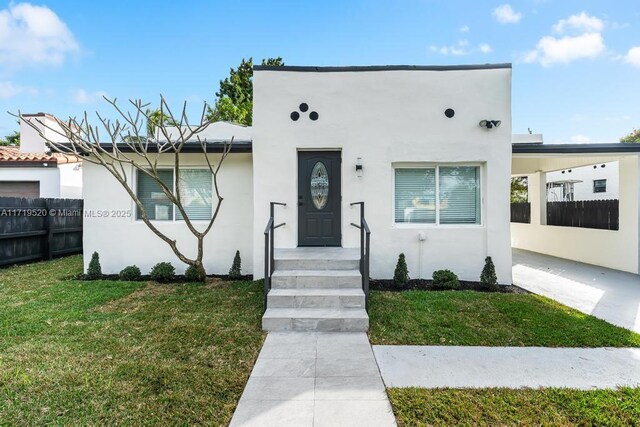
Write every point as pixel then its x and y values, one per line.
pixel 315 319
pixel 316 279
pixel 317 259
pixel 316 298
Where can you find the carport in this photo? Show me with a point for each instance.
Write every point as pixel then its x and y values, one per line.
pixel 615 249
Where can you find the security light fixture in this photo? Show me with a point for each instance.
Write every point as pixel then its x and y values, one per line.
pixel 489 123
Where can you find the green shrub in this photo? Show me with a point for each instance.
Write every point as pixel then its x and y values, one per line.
pixel 235 272
pixel 94 272
pixel 193 275
pixel 163 272
pixel 401 274
pixel 445 279
pixel 488 276
pixel 130 273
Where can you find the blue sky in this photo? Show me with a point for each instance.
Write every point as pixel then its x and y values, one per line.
pixel 576 74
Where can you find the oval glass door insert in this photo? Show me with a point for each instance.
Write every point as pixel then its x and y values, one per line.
pixel 319 185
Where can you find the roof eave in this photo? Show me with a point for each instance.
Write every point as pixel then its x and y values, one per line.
pixel 610 148
pixel 359 68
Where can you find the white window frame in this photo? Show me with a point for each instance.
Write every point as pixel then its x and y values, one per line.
pixel 174 220
pixel 436 166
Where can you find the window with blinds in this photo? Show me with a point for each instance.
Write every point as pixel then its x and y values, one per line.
pixel 155 202
pixel 415 200
pixel 441 194
pixel 195 192
pixel 459 192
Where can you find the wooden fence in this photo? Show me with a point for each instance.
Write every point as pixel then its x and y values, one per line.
pixel 34 229
pixel 602 214
pixel 521 212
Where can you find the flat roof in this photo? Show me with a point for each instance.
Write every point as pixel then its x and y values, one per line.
pixel 307 68
pixel 616 147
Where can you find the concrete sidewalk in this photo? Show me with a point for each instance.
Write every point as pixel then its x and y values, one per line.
pixel 315 379
pixel 513 367
pixel 610 295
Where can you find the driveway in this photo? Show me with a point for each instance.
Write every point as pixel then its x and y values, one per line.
pixel 610 295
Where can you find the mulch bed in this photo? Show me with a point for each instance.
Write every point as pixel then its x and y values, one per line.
pixel 179 278
pixel 427 285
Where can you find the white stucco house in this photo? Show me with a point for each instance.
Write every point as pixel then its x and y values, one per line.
pixel 427 149
pixel 32 170
pixel 434 182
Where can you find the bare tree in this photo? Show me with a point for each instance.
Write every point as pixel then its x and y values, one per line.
pixel 127 143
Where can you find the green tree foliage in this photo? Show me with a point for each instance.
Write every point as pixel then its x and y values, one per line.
pixel 156 118
pixel 519 189
pixel 193 275
pixel 488 276
pixel 163 272
pixel 235 272
pixel 445 279
pixel 130 273
pixel 401 274
pixel 94 271
pixel 234 99
pixel 633 136
pixel 13 139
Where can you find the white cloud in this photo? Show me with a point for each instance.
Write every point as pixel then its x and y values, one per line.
pixel 461 48
pixel 551 50
pixel 81 96
pixel 580 139
pixel 581 22
pixel 505 14
pixel 633 56
pixel 622 118
pixel 485 48
pixel 9 90
pixel 464 29
pixel 32 35
pixel 579 38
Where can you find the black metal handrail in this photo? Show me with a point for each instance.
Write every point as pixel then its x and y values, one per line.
pixel 269 263
pixel 365 248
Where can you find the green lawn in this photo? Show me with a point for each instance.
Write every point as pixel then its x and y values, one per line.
pixel 108 352
pixel 490 407
pixel 486 319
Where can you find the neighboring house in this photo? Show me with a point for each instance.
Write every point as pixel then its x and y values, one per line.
pixel 31 170
pixel 593 182
pixel 413 143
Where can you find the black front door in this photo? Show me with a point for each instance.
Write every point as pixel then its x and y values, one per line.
pixel 319 198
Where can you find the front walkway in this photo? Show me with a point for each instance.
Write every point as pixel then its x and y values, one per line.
pixel 610 295
pixel 513 367
pixel 315 379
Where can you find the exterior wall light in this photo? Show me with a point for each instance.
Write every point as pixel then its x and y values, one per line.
pixel 489 123
pixel 359 170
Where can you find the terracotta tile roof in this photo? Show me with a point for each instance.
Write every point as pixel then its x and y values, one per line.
pixel 13 154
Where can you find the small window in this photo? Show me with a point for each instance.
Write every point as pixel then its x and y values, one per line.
pixel 437 195
pixel 599 185
pixel 155 202
pixel 195 193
